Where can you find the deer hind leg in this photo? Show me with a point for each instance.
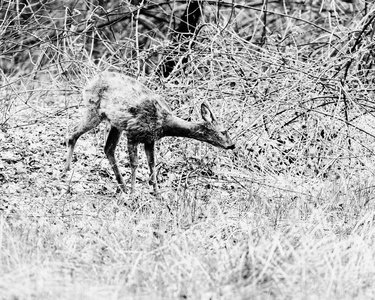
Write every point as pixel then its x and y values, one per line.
pixel 133 159
pixel 109 150
pixel 91 120
pixel 150 153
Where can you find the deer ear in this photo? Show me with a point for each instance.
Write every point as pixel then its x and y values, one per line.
pixel 206 113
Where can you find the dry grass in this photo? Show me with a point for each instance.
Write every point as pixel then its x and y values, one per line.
pixel 282 244
pixel 288 215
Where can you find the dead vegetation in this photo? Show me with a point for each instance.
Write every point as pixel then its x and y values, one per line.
pixel 288 214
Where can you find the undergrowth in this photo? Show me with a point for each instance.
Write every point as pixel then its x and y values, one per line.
pixel 288 214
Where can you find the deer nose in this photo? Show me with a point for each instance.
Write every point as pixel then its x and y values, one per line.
pixel 231 147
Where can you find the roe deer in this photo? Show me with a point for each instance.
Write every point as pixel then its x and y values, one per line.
pixel 130 106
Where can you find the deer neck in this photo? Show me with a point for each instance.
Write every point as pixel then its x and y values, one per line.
pixel 175 126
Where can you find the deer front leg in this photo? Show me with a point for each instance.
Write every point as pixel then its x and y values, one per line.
pixel 150 153
pixel 109 149
pixel 133 159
